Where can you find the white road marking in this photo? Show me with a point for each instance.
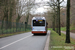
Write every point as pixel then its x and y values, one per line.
pixel 15 42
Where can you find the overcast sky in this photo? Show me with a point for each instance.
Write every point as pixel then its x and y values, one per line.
pixel 41 9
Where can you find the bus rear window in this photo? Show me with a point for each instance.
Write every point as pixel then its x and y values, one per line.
pixel 38 22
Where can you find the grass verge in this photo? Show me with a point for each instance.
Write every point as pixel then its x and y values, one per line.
pixel 58 42
pixel 63 28
pixel 10 34
pixel 49 28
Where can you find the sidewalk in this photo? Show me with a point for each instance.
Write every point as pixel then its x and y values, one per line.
pixel 47 42
pixel 71 34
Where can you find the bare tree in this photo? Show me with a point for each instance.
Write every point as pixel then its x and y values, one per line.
pixel 7 7
pixel 24 8
pixel 68 23
pixel 57 4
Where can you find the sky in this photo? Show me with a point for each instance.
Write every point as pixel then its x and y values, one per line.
pixel 41 9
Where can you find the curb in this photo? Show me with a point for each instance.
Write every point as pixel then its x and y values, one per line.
pixel 47 42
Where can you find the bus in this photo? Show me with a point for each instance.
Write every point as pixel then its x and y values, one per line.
pixel 39 25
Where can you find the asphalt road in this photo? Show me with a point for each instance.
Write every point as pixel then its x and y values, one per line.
pixel 24 41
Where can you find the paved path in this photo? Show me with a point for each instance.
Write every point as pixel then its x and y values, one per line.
pixel 71 34
pixel 25 41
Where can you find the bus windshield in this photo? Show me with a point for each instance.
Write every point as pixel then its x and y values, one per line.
pixel 38 22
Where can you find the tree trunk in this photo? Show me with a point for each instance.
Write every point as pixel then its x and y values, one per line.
pixel 68 23
pixel 27 20
pixel 6 18
pixel 54 22
pixel 59 18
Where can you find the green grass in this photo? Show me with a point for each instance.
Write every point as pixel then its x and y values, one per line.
pixel 12 30
pixel 49 28
pixel 72 28
pixel 63 28
pixel 10 34
pixel 59 41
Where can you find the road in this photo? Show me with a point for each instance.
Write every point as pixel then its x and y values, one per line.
pixel 24 41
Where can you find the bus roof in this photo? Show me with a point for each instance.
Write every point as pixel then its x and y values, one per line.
pixel 34 18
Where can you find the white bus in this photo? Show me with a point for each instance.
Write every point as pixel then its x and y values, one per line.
pixel 39 25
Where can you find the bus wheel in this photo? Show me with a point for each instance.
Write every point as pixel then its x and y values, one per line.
pixel 46 34
pixel 35 34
